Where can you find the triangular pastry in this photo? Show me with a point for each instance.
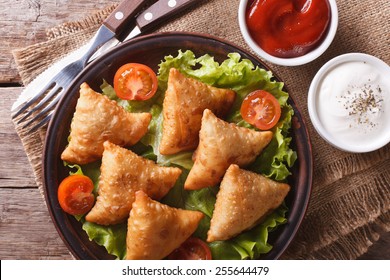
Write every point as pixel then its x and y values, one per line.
pixel 154 230
pixel 97 119
pixel 244 199
pixel 184 102
pixel 222 144
pixel 122 174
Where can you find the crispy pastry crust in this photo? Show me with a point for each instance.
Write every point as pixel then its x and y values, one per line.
pixel 244 199
pixel 154 230
pixel 220 145
pixel 122 174
pixel 97 119
pixel 184 103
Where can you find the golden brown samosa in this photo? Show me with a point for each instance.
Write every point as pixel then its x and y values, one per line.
pixel 154 230
pixel 97 119
pixel 222 144
pixel 122 174
pixel 243 200
pixel 184 102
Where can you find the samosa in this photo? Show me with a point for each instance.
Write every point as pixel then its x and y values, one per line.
pixel 221 144
pixel 97 119
pixel 184 102
pixel 154 230
pixel 243 200
pixel 122 174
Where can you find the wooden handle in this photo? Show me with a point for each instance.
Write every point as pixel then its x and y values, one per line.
pixel 124 13
pixel 160 11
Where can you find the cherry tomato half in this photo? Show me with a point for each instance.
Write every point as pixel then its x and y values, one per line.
pixel 261 109
pixel 192 249
pixel 134 81
pixel 75 194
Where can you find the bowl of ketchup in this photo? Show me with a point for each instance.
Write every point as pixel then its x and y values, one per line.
pixel 288 32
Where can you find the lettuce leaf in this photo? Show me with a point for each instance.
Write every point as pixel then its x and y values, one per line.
pixel 113 237
pixel 275 161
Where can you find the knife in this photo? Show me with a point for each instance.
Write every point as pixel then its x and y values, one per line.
pixel 116 23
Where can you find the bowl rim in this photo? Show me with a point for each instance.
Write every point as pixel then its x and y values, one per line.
pixel 294 61
pixel 69 234
pixel 313 94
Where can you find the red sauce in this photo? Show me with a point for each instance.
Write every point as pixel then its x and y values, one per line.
pixel 288 28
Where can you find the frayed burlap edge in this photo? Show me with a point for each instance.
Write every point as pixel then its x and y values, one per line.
pixel 69 28
pixel 331 223
pixel 344 247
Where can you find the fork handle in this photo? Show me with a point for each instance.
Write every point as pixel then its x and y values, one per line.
pixel 160 11
pixel 123 14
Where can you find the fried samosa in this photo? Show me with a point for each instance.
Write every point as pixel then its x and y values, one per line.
pixel 244 199
pixel 220 145
pixel 184 102
pixel 97 119
pixel 122 174
pixel 154 230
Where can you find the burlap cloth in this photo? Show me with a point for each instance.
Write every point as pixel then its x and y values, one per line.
pixel 350 202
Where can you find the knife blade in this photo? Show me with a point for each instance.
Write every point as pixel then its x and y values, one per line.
pixel 160 11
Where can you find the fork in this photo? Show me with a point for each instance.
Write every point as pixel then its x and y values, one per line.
pixel 49 95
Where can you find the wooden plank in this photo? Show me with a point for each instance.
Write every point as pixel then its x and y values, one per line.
pixel 26 230
pixel 23 23
pixel 15 169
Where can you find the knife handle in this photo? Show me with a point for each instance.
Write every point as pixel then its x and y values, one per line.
pixel 160 11
pixel 124 13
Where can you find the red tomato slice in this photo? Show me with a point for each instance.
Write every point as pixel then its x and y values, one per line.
pixel 192 249
pixel 75 194
pixel 261 109
pixel 134 81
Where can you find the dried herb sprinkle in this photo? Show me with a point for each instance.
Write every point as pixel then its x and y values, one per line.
pixel 362 103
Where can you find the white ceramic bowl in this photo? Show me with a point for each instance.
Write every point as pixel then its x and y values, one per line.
pixel 341 108
pixel 310 56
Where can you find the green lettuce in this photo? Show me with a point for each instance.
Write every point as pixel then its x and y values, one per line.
pixel 112 237
pixel 274 162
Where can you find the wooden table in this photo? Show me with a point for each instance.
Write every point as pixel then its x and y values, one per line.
pixel 26 230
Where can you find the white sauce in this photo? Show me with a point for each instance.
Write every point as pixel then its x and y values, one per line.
pixel 354 103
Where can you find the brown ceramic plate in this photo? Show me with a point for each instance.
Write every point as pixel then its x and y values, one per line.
pixel 150 50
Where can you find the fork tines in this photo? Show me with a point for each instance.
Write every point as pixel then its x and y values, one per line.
pixel 42 105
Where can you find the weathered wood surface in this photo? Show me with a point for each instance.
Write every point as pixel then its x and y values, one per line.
pixel 15 170
pixel 26 230
pixel 24 22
